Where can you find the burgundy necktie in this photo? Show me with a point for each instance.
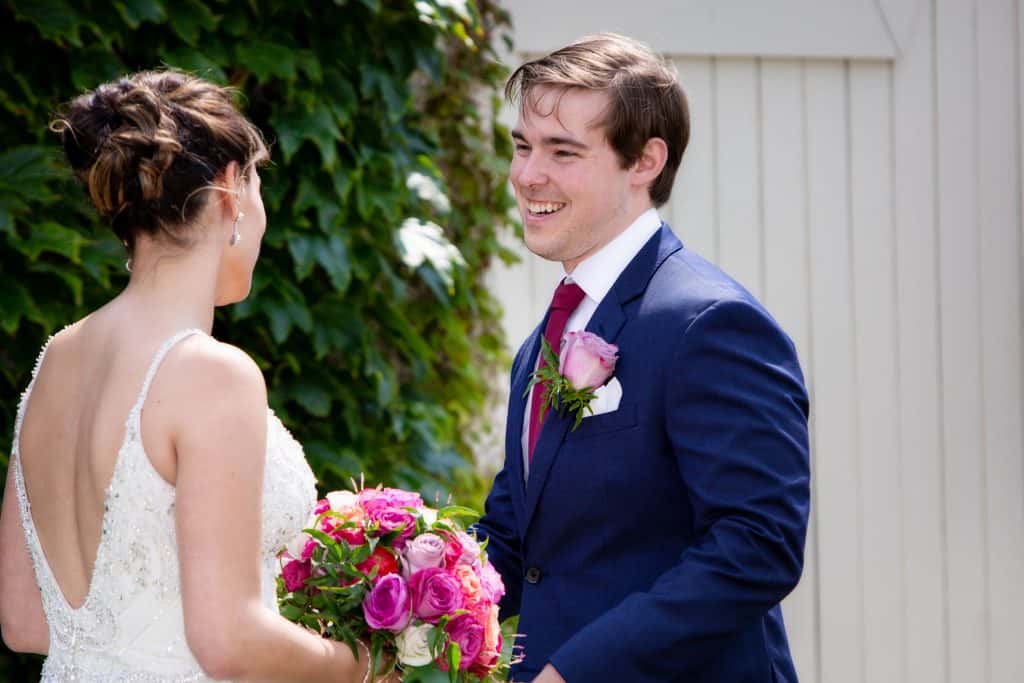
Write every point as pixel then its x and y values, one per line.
pixel 567 297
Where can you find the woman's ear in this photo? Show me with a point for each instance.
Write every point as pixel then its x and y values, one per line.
pixel 233 185
pixel 651 161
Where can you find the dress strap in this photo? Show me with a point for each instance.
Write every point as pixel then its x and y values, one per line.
pixel 133 424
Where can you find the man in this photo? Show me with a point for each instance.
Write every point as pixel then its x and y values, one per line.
pixel 655 541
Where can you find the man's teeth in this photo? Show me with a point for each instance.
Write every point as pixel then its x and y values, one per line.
pixel 545 207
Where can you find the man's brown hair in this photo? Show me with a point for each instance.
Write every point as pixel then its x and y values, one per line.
pixel 645 98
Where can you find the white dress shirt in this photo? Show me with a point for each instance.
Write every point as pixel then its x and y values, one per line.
pixel 596 276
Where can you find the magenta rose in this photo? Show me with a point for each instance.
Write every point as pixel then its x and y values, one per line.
pixel 435 593
pixel 586 360
pixel 424 551
pixel 295 574
pixel 387 607
pixel 469 634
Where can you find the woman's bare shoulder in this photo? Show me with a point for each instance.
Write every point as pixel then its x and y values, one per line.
pixel 206 367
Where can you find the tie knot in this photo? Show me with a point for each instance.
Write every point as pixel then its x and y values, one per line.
pixel 568 296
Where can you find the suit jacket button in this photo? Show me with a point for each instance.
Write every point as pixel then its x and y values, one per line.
pixel 533 575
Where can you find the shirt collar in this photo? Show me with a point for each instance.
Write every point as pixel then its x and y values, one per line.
pixel 598 272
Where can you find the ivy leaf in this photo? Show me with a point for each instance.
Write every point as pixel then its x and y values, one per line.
pixel 73 282
pixel 55 19
pixel 15 303
pixel 95 64
pixel 332 255
pixel 134 12
pixel 317 125
pixel 312 396
pixel 197 62
pixel 190 17
pixel 301 248
pixel 48 236
pixel 267 60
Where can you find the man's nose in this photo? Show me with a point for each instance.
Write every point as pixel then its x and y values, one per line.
pixel 531 171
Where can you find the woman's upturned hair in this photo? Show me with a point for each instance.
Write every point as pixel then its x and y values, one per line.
pixel 148 147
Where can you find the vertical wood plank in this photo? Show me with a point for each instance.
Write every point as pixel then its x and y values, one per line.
pixel 692 204
pixel 737 171
pixel 959 290
pixel 1000 304
pixel 787 279
pixel 921 447
pixel 834 378
pixel 876 349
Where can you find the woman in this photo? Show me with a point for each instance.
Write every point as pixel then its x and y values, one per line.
pixel 150 487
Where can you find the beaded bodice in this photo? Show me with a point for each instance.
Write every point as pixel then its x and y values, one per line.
pixel 131 625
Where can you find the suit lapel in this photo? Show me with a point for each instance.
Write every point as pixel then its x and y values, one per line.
pixel 607 322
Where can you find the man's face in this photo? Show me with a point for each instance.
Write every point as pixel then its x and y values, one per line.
pixel 573 194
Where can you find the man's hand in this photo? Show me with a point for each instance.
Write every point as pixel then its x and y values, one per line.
pixel 549 675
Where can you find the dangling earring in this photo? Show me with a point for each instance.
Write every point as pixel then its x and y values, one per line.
pixel 128 265
pixel 236 236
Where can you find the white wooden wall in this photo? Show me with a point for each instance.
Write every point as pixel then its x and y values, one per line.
pixel 874 205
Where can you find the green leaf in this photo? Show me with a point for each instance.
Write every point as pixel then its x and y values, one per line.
pixel 72 280
pixel 332 254
pixel 301 249
pixel 313 397
pixel 267 60
pixel 134 12
pixel 199 63
pixel 48 236
pixel 95 64
pixel 190 17
pixel 55 19
pixel 15 303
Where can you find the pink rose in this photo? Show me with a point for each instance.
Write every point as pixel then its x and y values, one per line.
pixel 469 634
pixel 395 519
pixel 295 574
pixel 426 550
pixel 435 593
pixel 376 499
pixel 586 360
pixel 490 580
pixel 387 607
pixel 462 549
pixel 472 591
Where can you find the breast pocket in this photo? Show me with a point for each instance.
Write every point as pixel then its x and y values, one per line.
pixel 608 423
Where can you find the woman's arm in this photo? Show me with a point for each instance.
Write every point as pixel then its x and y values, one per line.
pixel 21 606
pixel 221 446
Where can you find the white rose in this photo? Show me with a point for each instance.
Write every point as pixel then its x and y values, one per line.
pixel 429 515
pixel 413 648
pixel 297 544
pixel 342 501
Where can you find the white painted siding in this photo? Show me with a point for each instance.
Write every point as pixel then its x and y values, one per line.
pixel 875 207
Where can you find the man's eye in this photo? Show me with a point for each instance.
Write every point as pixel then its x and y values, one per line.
pixel 522 149
pixel 565 153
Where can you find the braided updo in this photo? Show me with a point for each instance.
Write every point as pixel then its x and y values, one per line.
pixel 148 147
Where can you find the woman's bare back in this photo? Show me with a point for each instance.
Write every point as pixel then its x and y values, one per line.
pixel 73 429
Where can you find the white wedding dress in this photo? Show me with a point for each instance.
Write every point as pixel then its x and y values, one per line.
pixel 131 626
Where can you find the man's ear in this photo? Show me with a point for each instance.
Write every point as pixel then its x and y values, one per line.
pixel 651 161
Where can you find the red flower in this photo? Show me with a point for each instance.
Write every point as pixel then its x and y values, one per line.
pixel 383 559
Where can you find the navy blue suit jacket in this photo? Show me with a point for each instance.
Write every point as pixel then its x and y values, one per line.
pixel 654 543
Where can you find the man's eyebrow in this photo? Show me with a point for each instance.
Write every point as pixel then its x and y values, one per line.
pixel 553 141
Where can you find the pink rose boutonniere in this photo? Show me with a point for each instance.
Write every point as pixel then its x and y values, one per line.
pixel 571 380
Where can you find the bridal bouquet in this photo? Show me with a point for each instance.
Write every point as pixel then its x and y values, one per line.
pixel 379 565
